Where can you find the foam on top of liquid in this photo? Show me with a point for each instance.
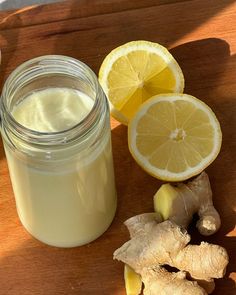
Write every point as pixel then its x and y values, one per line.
pixel 53 109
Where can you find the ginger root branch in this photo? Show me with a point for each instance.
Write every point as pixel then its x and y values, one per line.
pixel 179 204
pixel 157 280
pixel 142 223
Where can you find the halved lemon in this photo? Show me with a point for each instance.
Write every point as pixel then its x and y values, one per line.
pixel 134 72
pixel 174 136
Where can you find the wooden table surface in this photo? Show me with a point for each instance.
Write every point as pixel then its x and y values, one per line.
pixel 201 34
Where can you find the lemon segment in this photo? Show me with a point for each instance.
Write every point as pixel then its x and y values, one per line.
pixel 174 136
pixel 133 282
pixel 134 72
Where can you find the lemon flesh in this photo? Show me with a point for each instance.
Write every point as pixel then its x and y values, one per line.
pixel 134 72
pixel 133 282
pixel 174 136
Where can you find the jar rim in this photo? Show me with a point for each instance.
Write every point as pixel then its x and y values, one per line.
pixel 63 136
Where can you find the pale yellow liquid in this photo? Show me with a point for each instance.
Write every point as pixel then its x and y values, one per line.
pixel 63 203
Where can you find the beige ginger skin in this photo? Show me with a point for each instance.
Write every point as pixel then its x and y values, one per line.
pixel 156 244
pixel 179 204
pixel 157 280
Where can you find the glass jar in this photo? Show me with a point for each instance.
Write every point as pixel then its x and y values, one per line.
pixel 63 181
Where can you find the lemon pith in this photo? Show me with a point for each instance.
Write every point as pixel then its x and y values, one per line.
pixel 174 136
pixel 134 72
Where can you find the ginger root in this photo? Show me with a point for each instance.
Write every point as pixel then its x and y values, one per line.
pixel 179 204
pixel 167 244
pixel 158 280
pixel 142 223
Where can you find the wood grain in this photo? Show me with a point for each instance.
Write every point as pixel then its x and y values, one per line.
pixel 201 35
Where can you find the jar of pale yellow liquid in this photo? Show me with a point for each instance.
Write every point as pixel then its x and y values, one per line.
pixel 56 134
